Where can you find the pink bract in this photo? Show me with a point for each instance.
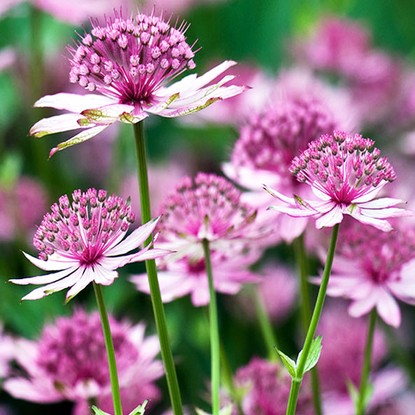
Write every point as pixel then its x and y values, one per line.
pixel 373 268
pixel 83 242
pixel 345 173
pixel 129 62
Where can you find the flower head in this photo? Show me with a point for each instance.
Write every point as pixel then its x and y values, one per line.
pixel 69 362
pixel 373 268
pixel 206 208
pixel 83 242
pixel 129 62
pixel 346 173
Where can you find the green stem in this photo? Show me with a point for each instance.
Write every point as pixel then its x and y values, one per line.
pixel 214 332
pixel 301 259
pixel 115 388
pixel 158 308
pixel 296 381
pixel 266 327
pixel 362 400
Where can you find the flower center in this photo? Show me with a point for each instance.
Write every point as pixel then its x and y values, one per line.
pixel 129 59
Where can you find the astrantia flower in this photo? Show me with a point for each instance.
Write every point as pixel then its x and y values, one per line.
pixel 266 386
pixel 83 242
pixel 370 270
pixel 188 275
pixel 345 173
pixel 206 208
pixel 302 110
pixel 129 62
pixel 69 362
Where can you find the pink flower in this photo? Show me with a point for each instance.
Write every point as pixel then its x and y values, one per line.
pixel 69 362
pixel 187 276
pixel 7 353
pixel 266 386
pixel 303 109
pixel 83 242
pixel 373 268
pixel 206 208
pixel 129 62
pixel 345 173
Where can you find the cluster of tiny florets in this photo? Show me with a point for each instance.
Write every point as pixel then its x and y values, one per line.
pixel 208 207
pixel 129 58
pixel 270 139
pixel 380 254
pixel 341 165
pixel 83 228
pixel 73 350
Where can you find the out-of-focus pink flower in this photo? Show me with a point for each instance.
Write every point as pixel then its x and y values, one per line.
pixel 302 110
pixel 345 48
pixel 83 241
pixel 345 173
pixel 21 207
pixel 370 270
pixel 234 110
pixel 187 276
pixel 265 387
pixel 7 58
pixel 129 62
pixel 206 208
pixel 342 356
pixel 160 177
pixel 69 362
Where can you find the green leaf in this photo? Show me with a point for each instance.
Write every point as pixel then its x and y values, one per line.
pixel 314 355
pixel 98 411
pixel 227 410
pixel 288 363
pixel 353 392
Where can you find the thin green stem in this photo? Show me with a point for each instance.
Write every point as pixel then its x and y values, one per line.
pixel 362 400
pixel 158 308
pixel 115 388
pixel 266 327
pixel 301 259
pixel 318 307
pixel 214 332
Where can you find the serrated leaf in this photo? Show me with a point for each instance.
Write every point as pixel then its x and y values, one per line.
pixel 98 411
pixel 314 354
pixel 288 363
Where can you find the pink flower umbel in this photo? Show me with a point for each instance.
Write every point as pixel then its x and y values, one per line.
pixel 206 208
pixel 83 242
pixel 345 172
pixel 69 362
pixel 370 270
pixel 129 62
pixel 265 387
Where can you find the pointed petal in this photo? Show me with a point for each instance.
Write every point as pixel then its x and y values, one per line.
pixel 54 263
pixel 44 279
pixel 295 212
pixel 382 202
pixel 330 218
pixel 74 102
pixel 371 194
pixel 134 240
pixel 86 278
pixel 79 138
pixel 57 124
pixel 388 309
pixel 55 286
pixel 385 213
pixel 104 276
pixel 108 114
pixel 383 225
